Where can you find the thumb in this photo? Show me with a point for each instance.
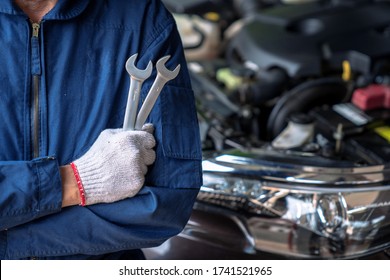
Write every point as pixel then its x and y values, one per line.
pixel 148 127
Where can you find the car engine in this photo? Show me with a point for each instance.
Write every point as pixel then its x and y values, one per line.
pixel 309 80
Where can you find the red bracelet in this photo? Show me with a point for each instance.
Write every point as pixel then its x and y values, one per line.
pixel 79 184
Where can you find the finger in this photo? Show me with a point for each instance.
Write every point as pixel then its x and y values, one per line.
pixel 148 141
pixel 149 157
pixel 143 168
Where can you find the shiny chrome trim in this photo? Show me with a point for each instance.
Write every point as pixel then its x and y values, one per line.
pixel 252 166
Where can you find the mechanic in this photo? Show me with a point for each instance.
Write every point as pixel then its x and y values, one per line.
pixel 73 183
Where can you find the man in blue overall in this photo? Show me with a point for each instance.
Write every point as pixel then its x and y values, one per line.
pixel 73 184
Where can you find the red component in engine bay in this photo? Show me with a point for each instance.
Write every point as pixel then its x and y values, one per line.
pixel 372 97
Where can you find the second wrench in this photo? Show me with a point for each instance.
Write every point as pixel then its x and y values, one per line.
pixel 163 76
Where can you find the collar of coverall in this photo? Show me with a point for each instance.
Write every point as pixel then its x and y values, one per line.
pixel 64 9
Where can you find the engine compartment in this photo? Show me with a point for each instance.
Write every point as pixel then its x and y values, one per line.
pixel 306 83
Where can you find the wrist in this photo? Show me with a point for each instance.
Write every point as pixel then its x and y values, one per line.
pixel 70 190
pixel 80 186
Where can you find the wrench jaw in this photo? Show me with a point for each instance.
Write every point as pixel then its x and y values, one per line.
pixel 134 72
pixel 165 72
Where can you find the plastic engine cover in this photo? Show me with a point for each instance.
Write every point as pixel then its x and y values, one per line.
pixel 313 39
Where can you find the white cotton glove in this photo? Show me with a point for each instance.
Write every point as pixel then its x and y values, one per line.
pixel 114 167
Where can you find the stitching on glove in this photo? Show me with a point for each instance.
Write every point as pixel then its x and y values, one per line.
pixel 79 184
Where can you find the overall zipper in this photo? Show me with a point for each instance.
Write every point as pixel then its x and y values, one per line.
pixel 35 87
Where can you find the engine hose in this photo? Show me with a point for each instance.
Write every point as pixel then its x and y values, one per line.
pixel 267 87
pixel 303 98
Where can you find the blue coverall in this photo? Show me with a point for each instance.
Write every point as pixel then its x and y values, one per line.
pixel 61 83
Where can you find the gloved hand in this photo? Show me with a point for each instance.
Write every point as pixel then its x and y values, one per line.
pixel 114 167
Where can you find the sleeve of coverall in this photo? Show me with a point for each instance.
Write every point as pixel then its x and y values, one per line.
pixel 29 190
pixel 163 206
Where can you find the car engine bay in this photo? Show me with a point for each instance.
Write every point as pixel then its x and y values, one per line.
pixel 293 103
pixel 309 80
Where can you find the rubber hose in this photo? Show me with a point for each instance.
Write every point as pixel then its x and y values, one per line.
pixel 303 98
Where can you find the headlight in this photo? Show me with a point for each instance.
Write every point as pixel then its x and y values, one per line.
pixel 303 211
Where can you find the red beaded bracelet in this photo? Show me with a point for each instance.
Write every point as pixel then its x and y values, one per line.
pixel 79 184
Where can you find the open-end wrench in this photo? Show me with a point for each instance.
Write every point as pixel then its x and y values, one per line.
pixel 137 77
pixel 163 76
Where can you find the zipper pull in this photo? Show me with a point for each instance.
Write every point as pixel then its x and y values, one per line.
pixel 35 29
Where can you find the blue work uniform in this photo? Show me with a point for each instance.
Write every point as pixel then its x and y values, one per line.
pixel 62 82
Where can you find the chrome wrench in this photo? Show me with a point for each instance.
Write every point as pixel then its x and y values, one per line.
pixel 137 77
pixel 163 76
